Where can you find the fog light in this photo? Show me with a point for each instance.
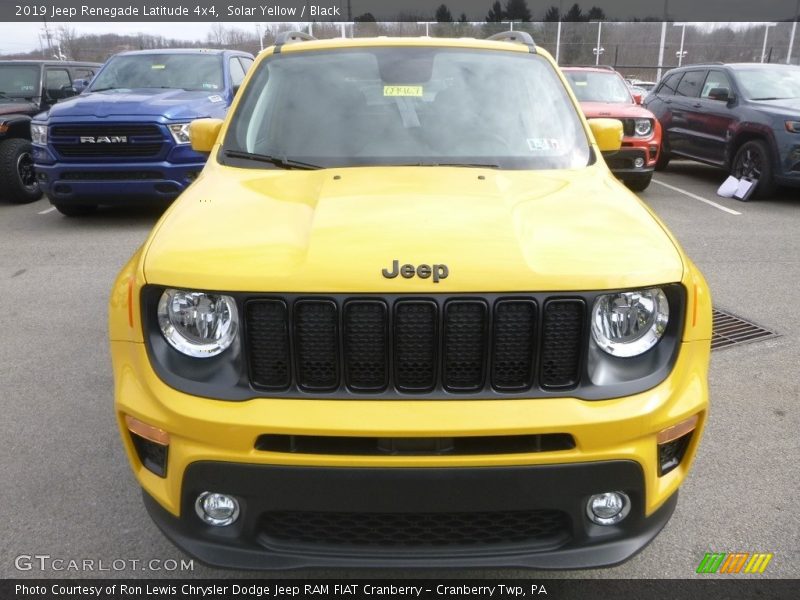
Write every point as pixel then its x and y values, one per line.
pixel 608 508
pixel 638 162
pixel 217 509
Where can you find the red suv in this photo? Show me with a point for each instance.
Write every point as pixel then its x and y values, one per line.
pixel 603 92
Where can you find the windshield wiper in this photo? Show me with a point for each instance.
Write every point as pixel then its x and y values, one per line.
pixel 773 98
pixel 278 161
pixel 105 89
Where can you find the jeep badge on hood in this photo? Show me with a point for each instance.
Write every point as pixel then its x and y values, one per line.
pixel 422 271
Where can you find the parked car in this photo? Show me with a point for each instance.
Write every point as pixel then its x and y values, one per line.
pixel 408 317
pixel 603 93
pixel 641 84
pixel 125 139
pixel 27 87
pixel 744 118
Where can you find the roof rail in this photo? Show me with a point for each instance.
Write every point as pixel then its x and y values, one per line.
pixel 287 37
pixel 521 37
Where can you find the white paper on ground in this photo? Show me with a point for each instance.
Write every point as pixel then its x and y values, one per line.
pixel 728 187
pixel 742 189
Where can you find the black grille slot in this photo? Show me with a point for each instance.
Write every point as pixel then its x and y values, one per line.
pixel 366 334
pixel 562 337
pixel 317 339
pixel 106 130
pixel 514 331
pixel 268 343
pixel 111 175
pixel 374 446
pixel 415 345
pixel 628 127
pixel 414 530
pixel 142 150
pixel 464 345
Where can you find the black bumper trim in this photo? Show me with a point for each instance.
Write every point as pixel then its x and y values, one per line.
pixel 260 489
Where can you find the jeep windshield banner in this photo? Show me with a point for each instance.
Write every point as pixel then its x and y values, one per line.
pixel 392 10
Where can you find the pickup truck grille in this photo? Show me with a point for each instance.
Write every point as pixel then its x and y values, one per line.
pixel 412 345
pixel 141 140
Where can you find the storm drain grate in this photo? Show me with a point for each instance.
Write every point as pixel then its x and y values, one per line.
pixel 730 329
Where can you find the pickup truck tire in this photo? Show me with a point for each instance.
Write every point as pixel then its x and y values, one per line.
pixel 754 161
pixel 75 210
pixel 16 172
pixel 639 183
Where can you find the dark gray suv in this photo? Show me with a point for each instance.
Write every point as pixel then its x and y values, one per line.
pixel 742 117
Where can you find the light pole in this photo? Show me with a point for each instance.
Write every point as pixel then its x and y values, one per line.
pixel 511 24
pixel 427 24
pixel 598 50
pixel 681 54
pixel 766 35
pixel 794 30
pixel 260 37
pixel 558 31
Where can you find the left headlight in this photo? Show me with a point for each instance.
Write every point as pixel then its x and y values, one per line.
pixel 627 324
pixel 643 127
pixel 198 324
pixel 39 134
pixel 180 133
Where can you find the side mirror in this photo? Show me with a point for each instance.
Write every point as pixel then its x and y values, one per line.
pixel 721 94
pixel 638 97
pixel 607 133
pixel 67 91
pixel 204 134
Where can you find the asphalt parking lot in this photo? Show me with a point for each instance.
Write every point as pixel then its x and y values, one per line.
pixel 67 491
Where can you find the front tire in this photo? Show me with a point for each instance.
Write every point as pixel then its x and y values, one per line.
pixel 75 210
pixel 639 183
pixel 754 161
pixel 16 172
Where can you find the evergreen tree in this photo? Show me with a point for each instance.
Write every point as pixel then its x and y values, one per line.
pixel 574 14
pixel 517 10
pixel 443 14
pixel 496 13
pixel 552 14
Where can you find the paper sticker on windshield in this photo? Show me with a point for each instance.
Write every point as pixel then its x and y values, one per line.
pixel 215 98
pixel 158 67
pixel 27 88
pixel 402 90
pixel 210 86
pixel 543 145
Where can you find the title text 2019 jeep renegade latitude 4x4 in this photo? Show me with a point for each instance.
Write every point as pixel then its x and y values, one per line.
pixel 407 316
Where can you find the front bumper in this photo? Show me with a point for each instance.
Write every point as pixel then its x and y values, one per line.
pixel 295 517
pixel 213 448
pixel 113 183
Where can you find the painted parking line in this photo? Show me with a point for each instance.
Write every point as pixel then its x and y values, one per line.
pixel 47 210
pixel 696 197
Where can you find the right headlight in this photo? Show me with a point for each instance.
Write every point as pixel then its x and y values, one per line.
pixel 643 127
pixel 39 134
pixel 627 324
pixel 198 324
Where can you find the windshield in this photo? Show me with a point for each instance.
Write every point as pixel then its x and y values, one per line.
pixel 593 86
pixel 407 106
pixel 18 81
pixel 770 84
pixel 171 71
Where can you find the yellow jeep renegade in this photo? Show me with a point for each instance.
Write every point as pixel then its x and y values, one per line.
pixel 406 316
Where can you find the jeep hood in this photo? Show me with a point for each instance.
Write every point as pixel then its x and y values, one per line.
pixel 25 107
pixel 334 230
pixel 170 104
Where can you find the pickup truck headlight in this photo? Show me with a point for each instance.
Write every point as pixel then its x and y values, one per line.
pixel 198 324
pixel 627 324
pixel 180 133
pixel 643 127
pixel 39 134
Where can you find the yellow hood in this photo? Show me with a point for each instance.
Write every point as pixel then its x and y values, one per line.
pixel 335 230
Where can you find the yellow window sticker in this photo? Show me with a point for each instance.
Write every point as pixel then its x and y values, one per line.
pixel 402 90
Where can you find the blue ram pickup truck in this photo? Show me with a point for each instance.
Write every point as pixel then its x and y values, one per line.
pixel 125 139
